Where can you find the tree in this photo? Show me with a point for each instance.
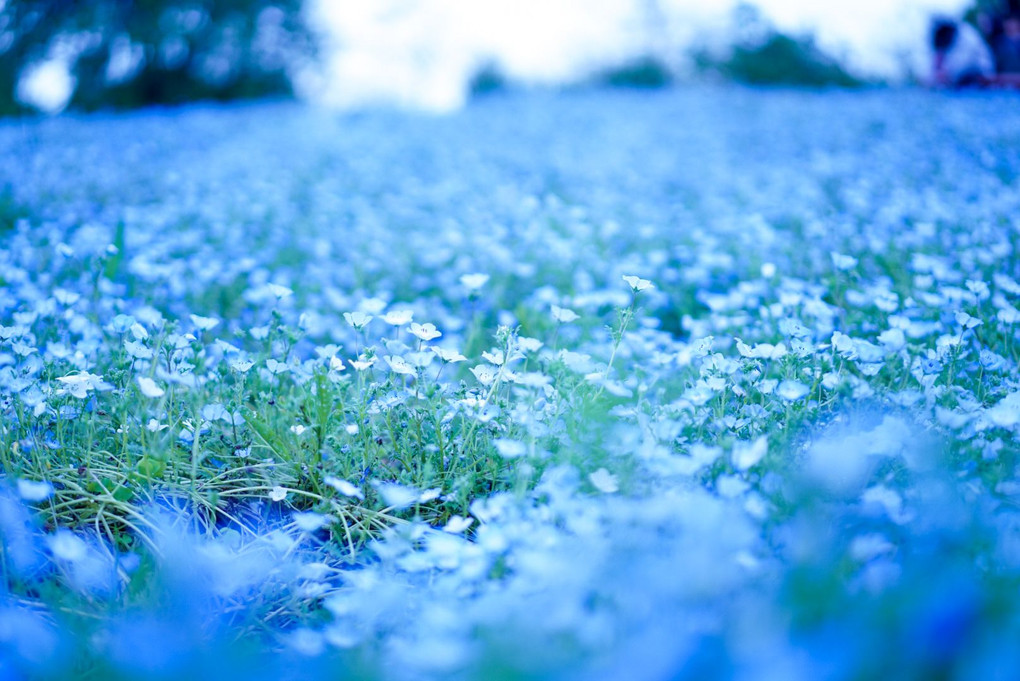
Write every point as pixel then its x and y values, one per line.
pixel 127 53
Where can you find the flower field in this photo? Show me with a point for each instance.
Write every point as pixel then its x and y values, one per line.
pixel 681 385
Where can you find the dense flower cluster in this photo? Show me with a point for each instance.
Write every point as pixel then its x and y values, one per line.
pixel 713 383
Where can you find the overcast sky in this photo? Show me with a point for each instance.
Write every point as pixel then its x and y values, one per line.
pixel 421 52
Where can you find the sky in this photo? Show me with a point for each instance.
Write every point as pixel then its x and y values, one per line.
pixel 422 53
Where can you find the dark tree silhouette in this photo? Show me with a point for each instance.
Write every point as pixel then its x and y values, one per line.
pixel 128 53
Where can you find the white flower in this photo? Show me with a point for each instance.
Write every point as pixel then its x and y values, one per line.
pixel 398 317
pixel 485 373
pixel 149 387
pixel 473 282
pixel 66 545
pixel 275 366
pixel 279 292
pixel 154 426
pixel 527 344
pixel 241 365
pixel 509 449
pixel 358 319
pixel 309 522
pixel 80 383
pixel 604 481
pixel 399 365
pixel 563 315
pixel 362 362
pixel 396 496
pixel 637 284
pixel 204 323
pixel 426 332
pixel 966 321
pixel 298 430
pixel 1006 413
pixel 747 454
pixel 277 493
pixel 792 391
pixel 447 355
pixel 32 490
pixel 843 262
pixel 137 350
pixel 344 487
pixel 494 357
pixel 458 524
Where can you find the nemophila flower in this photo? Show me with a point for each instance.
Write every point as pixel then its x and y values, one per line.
pixel 277 493
pixel 396 496
pixel 1006 412
pixel 358 319
pixel 458 524
pixel 328 351
pixel 155 426
pixel 1007 314
pixel 447 355
pixel 495 356
pixel 67 546
pixel 604 481
pixel 791 390
pixel 276 367
pixel 345 488
pixel 485 373
pixel 204 323
pixel 279 292
pixel 637 284
pixel 298 429
pixel 1006 283
pixel 34 491
pixel 363 363
pixel 473 282
pixel 241 365
pixel 509 449
pixel 966 321
pixel 81 383
pixel 309 522
pixel 22 349
pixel 336 364
pixel 748 454
pixel 892 340
pixel 149 387
pixel 761 350
pixel 9 332
pixel 425 332
pixel 398 317
pixel 527 344
pixel 65 297
pixel 399 366
pixel 137 350
pixel 563 315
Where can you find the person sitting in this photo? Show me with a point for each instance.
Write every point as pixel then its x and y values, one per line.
pixel 961 58
pixel 1007 46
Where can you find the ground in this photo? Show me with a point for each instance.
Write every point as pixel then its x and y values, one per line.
pixel 680 384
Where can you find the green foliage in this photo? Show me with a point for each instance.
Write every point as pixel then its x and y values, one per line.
pixel 781 60
pixel 488 79
pixel 763 55
pixel 645 72
pixel 130 54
